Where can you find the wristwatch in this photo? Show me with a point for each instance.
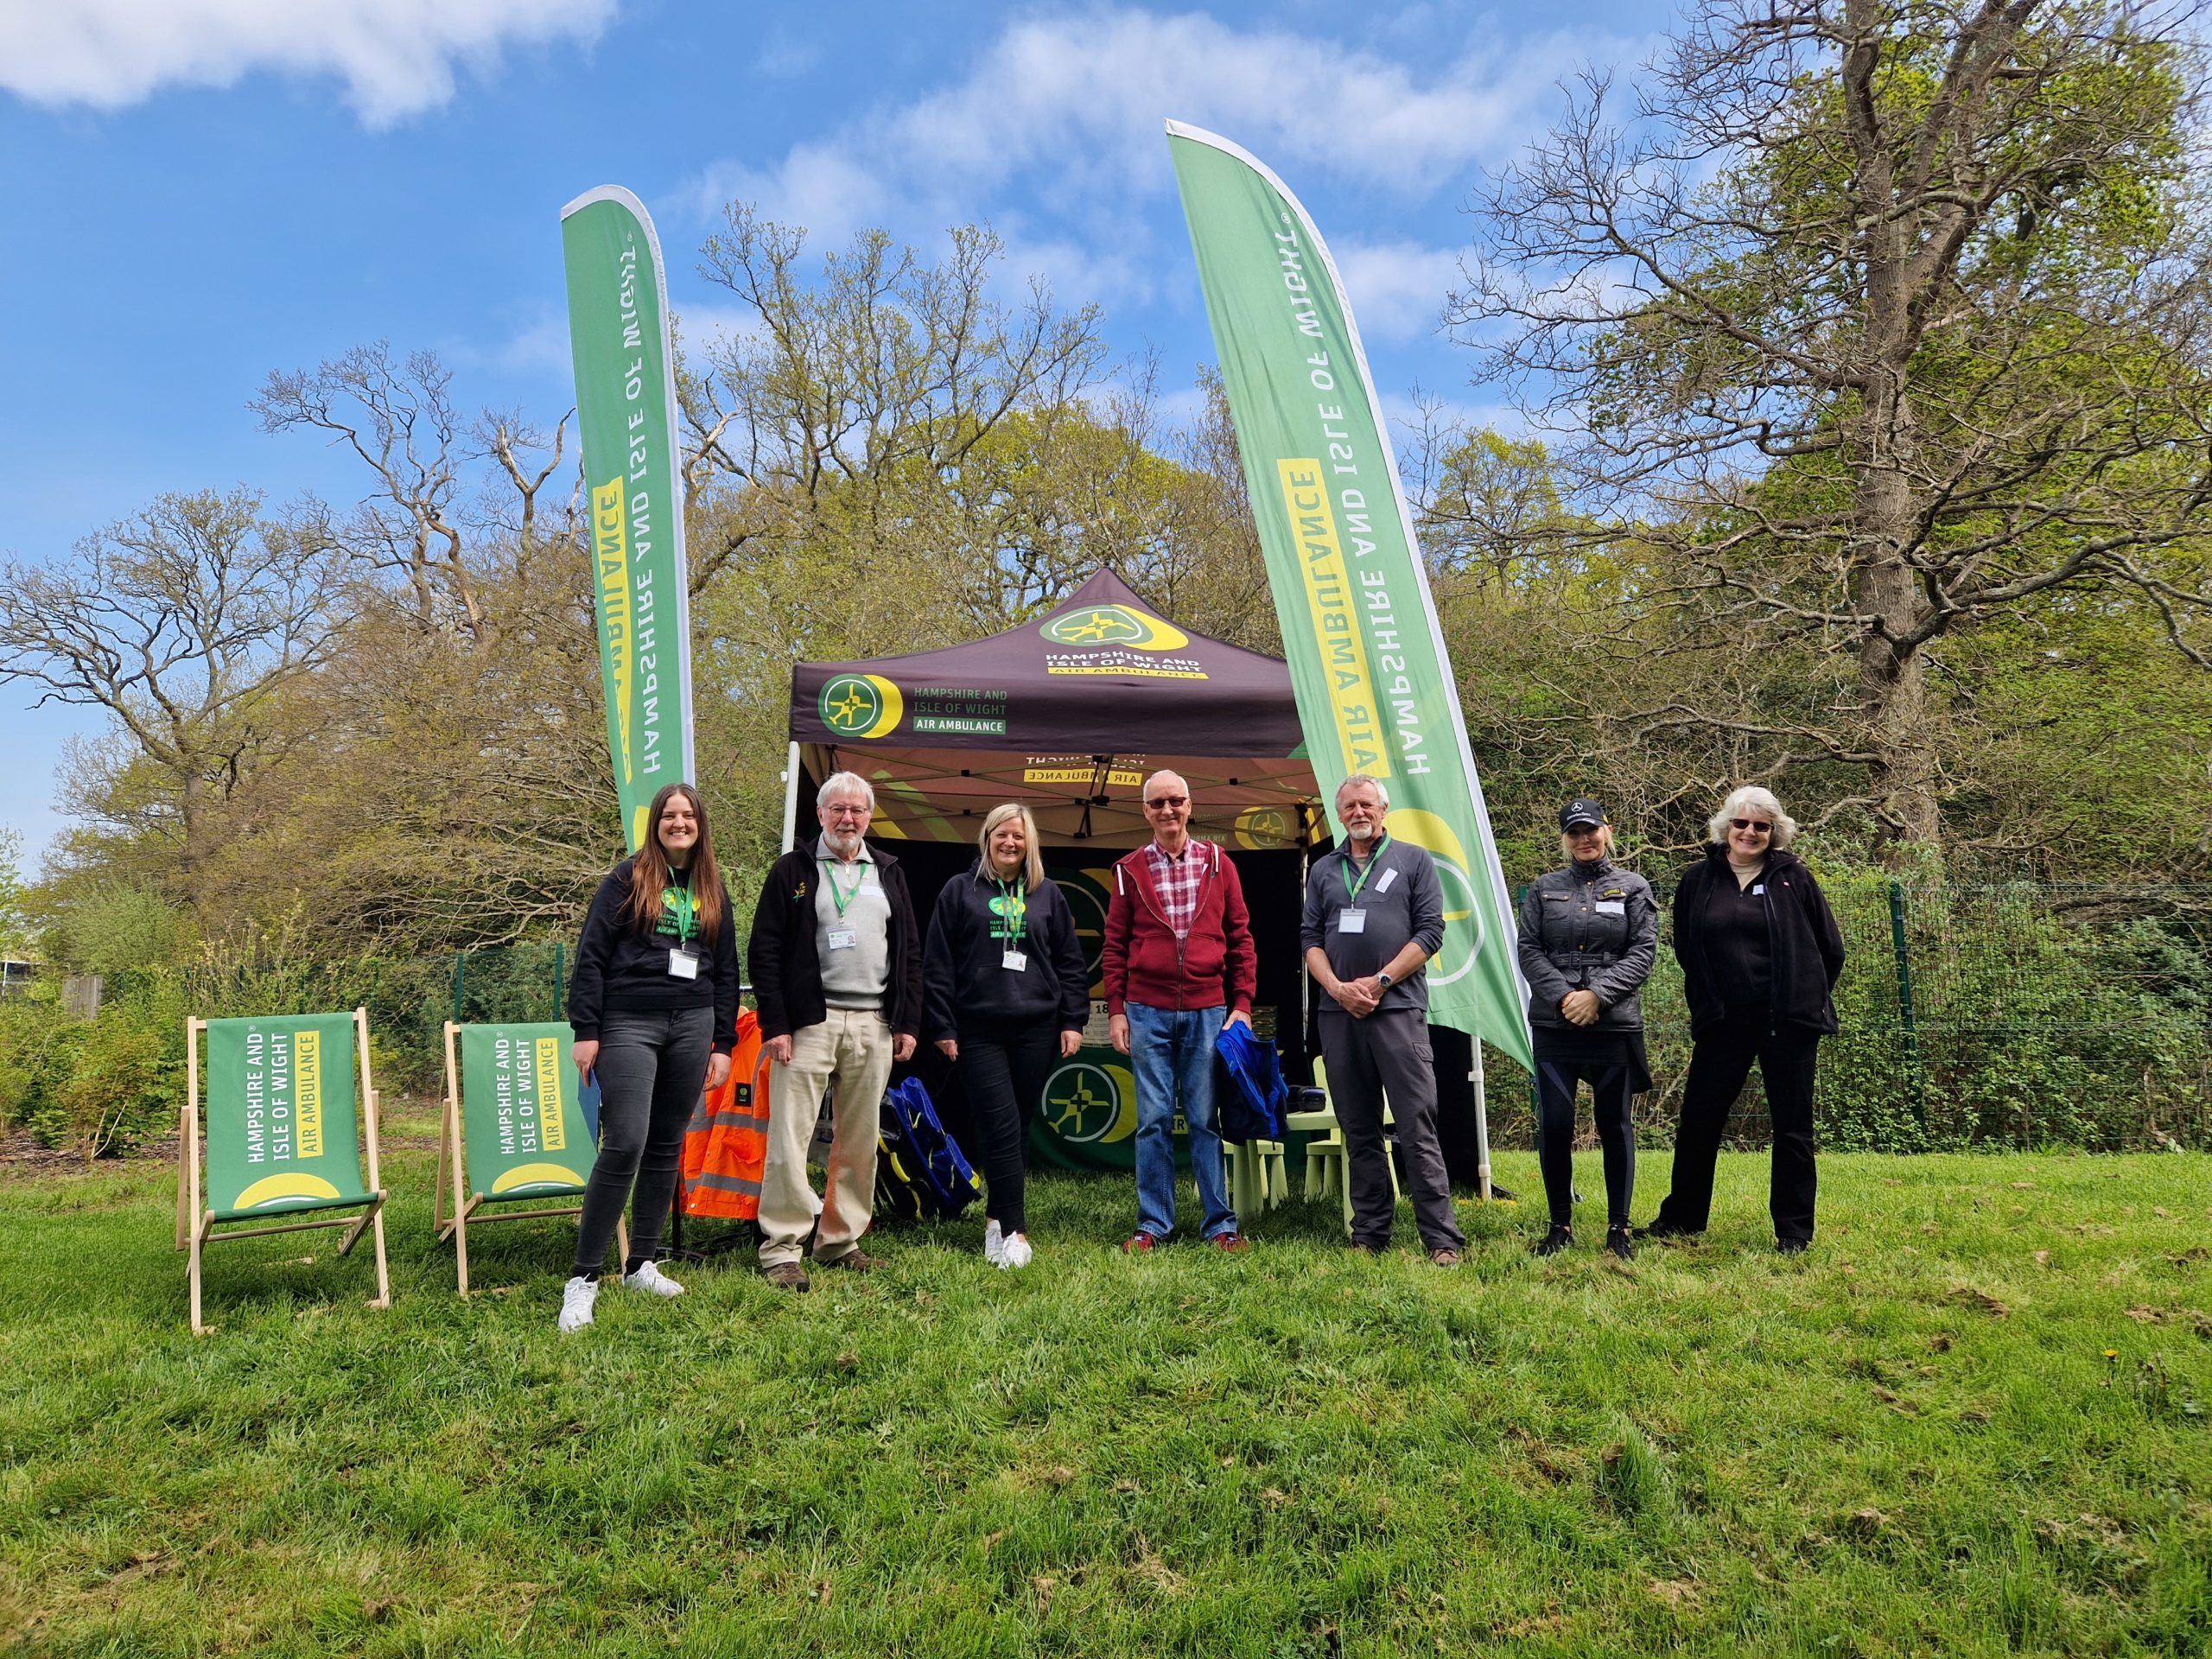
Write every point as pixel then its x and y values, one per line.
pixel 1382 980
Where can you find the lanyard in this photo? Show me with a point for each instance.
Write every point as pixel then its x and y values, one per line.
pixel 1013 908
pixel 679 899
pixel 1351 887
pixel 843 896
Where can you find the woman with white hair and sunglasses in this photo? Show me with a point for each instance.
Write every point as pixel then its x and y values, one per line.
pixel 1760 954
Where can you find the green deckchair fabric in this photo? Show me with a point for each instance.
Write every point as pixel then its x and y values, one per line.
pixel 521 1118
pixel 282 1128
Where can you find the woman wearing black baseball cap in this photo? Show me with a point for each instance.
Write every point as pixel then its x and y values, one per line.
pixel 1589 935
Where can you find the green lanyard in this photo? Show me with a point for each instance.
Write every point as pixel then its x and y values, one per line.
pixel 1351 887
pixel 679 899
pixel 1013 909
pixel 841 895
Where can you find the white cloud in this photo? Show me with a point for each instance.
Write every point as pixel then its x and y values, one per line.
pixel 396 57
pixel 1397 289
pixel 1072 105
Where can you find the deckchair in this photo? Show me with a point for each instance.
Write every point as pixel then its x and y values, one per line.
pixel 284 1136
pixel 514 1129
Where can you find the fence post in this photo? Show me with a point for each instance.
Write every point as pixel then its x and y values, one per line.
pixel 460 958
pixel 1904 1006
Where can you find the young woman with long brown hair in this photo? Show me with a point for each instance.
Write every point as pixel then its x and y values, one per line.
pixel 654 1004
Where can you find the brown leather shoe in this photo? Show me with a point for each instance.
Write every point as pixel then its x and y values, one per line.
pixel 1444 1258
pixel 855 1260
pixel 786 1275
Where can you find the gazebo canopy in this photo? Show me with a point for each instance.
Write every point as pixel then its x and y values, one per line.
pixel 1070 714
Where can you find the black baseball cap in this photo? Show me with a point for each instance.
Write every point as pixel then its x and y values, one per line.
pixel 1580 809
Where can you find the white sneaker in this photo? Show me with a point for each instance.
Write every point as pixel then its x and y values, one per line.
pixel 650 1277
pixel 1015 1251
pixel 993 1244
pixel 576 1298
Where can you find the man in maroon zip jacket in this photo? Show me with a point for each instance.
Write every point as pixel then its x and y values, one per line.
pixel 1179 958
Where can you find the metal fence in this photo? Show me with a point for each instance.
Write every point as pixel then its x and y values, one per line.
pixel 1988 1012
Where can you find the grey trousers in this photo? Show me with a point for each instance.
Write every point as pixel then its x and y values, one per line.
pixel 1387 1055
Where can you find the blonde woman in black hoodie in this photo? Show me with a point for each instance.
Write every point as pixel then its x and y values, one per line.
pixel 1005 998
pixel 653 1001
pixel 1760 954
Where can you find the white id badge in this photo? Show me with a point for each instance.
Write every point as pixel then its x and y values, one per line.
pixel 1759 889
pixel 682 964
pixel 1351 921
pixel 1383 881
pixel 1613 907
pixel 1015 961
pixel 845 939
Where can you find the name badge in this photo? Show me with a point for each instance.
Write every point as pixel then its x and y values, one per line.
pixel 1757 888
pixel 1383 881
pixel 845 939
pixel 683 965
pixel 1351 921
pixel 1013 962
pixel 1613 907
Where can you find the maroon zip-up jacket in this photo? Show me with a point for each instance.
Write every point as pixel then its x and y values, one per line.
pixel 1214 965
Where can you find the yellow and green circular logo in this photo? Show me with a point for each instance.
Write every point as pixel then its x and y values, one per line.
pixel 1463 917
pixel 861 705
pixel 1087 1103
pixel 1114 624
pixel 1265 828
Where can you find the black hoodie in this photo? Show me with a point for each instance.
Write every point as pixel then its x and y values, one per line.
pixel 967 990
pixel 621 968
pixel 1804 946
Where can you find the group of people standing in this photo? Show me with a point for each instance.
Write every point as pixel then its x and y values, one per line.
pixel 847 984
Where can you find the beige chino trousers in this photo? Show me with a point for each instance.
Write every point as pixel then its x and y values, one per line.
pixel 850 1049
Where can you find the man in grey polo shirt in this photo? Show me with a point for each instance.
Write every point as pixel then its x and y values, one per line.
pixel 1374 916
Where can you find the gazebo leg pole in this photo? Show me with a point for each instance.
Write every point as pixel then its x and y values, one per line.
pixel 791 798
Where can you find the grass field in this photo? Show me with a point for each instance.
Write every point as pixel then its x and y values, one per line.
pixel 1976 1418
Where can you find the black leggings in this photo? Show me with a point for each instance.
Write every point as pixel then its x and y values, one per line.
pixel 1612 1092
pixel 1004 1078
pixel 651 1071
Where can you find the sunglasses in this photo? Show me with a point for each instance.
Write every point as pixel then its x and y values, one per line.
pixel 1158 802
pixel 1759 824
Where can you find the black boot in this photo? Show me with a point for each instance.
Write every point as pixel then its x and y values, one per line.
pixel 1555 1240
pixel 1617 1241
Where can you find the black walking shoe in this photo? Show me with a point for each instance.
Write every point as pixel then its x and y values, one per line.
pixel 1554 1242
pixel 1666 1229
pixel 1617 1241
pixel 1793 1246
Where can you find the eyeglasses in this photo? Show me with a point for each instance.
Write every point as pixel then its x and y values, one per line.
pixel 845 812
pixel 1159 802
pixel 1759 824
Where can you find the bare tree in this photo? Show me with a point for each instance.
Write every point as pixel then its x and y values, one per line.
pixel 1882 317
pixel 183 621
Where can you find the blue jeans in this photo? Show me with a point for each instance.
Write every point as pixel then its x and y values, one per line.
pixel 1171 1053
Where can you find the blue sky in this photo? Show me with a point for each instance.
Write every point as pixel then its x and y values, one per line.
pixel 205 190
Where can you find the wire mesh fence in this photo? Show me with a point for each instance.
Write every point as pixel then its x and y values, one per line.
pixel 2018 1013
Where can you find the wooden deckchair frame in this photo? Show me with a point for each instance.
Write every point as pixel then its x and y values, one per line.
pixel 197 1235
pixel 453 1149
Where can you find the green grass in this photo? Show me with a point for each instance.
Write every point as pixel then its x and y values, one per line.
pixel 1913 1441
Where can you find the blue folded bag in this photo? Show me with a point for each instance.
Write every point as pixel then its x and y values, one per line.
pixel 1252 1107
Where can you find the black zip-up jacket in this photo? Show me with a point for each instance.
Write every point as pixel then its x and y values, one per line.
pixel 1568 943
pixel 966 987
pixel 1804 944
pixel 785 966
pixel 622 969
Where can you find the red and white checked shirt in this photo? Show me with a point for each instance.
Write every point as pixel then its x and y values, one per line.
pixel 1177 880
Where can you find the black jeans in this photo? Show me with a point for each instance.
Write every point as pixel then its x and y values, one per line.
pixel 1720 1060
pixel 1004 1076
pixel 651 1069
pixel 1613 1091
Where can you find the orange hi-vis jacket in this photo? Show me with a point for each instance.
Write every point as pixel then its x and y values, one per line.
pixel 726 1149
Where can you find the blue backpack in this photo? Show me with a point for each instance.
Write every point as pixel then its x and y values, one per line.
pixel 1251 1108
pixel 920 1174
